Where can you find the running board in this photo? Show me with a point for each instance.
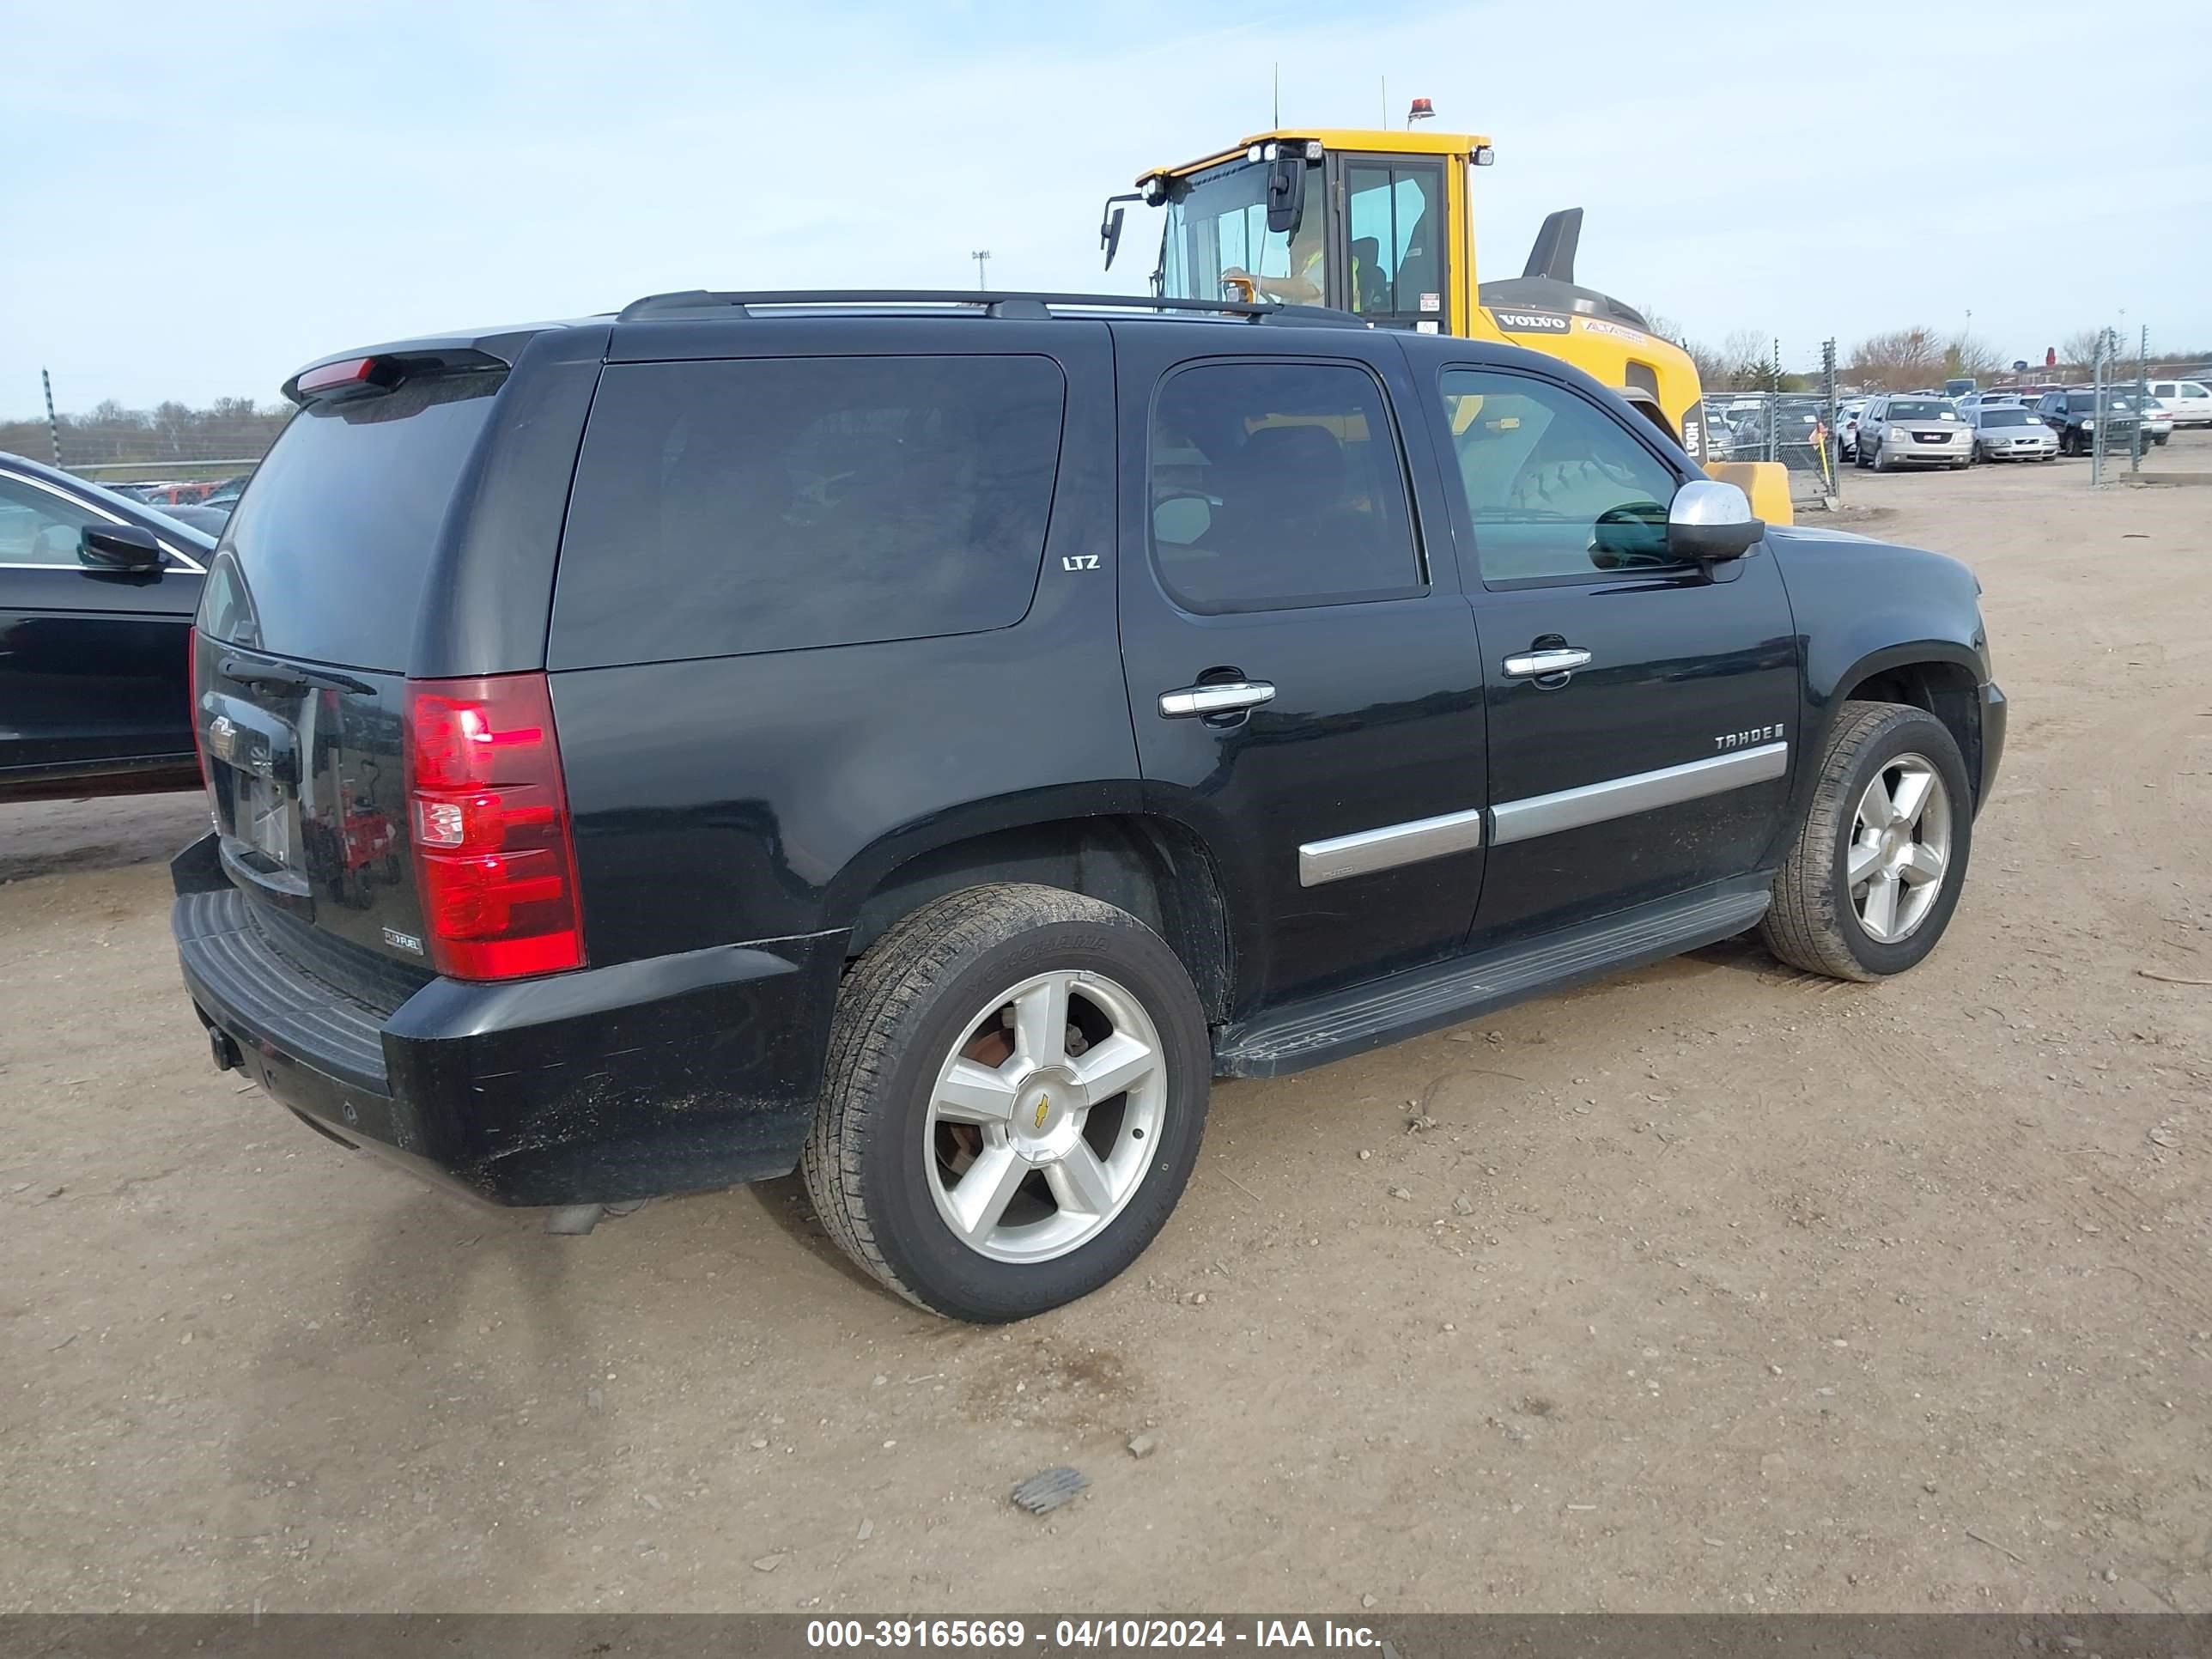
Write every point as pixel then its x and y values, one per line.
pixel 1351 1022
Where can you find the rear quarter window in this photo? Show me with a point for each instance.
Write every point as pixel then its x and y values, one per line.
pixel 777 504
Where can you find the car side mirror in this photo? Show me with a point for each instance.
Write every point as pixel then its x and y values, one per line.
pixel 120 549
pixel 1709 521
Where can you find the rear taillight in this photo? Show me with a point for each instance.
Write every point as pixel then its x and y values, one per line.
pixel 192 683
pixel 488 817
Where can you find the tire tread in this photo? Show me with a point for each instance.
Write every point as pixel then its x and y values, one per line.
pixel 1803 925
pixel 881 994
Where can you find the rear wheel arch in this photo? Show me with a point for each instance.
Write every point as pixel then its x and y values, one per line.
pixel 1156 868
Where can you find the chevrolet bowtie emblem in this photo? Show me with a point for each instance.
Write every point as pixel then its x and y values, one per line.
pixel 1044 1106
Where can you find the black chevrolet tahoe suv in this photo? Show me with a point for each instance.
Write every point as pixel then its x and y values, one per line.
pixel 924 740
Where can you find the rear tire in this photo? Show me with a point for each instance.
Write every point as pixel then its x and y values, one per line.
pixel 949 1059
pixel 1824 922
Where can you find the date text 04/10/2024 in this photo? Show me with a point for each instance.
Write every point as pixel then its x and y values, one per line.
pixel 1084 1634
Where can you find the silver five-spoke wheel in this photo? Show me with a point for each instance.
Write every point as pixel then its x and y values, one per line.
pixel 1045 1117
pixel 1900 849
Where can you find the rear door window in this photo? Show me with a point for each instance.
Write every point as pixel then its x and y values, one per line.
pixel 777 504
pixel 330 551
pixel 1279 484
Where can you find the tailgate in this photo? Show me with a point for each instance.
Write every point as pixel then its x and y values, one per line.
pixel 307 772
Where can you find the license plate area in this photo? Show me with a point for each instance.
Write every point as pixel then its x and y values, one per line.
pixel 267 818
pixel 253 758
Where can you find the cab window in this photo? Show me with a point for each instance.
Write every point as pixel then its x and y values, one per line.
pixel 1397 267
pixel 1556 486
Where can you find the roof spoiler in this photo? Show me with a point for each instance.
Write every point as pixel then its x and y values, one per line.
pixel 364 373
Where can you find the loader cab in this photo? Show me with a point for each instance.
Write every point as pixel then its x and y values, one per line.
pixel 1363 221
pixel 1381 224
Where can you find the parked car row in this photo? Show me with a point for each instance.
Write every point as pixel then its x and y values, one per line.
pixel 2025 422
pixel 1922 429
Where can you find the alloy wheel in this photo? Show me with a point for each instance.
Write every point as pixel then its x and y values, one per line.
pixel 1900 849
pixel 1045 1117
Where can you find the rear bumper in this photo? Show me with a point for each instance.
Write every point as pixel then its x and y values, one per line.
pixel 1993 712
pixel 673 1074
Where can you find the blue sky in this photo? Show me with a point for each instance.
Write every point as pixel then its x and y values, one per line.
pixel 196 208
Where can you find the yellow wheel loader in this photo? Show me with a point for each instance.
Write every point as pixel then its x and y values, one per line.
pixel 1381 224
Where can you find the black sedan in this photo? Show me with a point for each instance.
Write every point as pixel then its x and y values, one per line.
pixel 97 593
pixel 2072 415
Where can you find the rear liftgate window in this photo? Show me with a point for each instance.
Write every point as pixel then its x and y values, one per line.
pixel 327 554
pixel 776 504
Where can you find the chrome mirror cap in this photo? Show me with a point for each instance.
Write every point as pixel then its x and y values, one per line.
pixel 1708 502
pixel 1709 521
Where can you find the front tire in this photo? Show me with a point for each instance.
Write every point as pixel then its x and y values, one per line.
pixel 1014 1099
pixel 1873 876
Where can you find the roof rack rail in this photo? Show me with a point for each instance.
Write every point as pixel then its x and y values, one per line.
pixel 1033 306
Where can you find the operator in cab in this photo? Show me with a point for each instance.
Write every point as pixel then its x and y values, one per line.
pixel 1306 284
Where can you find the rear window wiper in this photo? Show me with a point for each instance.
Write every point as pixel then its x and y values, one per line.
pixel 295 679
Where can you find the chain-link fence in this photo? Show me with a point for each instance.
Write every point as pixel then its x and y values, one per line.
pixel 2121 425
pixel 111 442
pixel 1797 429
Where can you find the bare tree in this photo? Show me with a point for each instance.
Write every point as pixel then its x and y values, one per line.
pixel 1712 367
pixel 1897 361
pixel 233 429
pixel 2078 351
pixel 1969 354
pixel 1746 360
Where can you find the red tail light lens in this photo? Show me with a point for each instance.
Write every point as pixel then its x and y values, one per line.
pixel 488 817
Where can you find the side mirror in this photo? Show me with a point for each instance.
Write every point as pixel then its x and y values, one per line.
pixel 1286 194
pixel 1109 226
pixel 121 549
pixel 1709 521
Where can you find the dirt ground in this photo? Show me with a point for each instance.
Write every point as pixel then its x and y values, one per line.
pixel 1772 1293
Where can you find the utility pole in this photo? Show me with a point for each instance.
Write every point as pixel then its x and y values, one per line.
pixel 981 256
pixel 53 427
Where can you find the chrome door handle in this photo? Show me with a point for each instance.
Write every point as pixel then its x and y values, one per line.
pixel 1226 697
pixel 1542 665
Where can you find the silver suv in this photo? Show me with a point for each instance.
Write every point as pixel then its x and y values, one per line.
pixel 1914 431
